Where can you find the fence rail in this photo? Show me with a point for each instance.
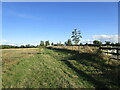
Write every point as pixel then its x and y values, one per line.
pixel 114 51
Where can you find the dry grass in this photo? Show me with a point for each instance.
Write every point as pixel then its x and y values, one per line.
pixel 13 56
pixel 20 49
pixel 91 49
pixel 57 68
pixel 82 49
pixel 44 70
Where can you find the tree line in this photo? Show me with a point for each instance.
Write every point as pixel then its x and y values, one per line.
pixel 69 43
pixel 73 41
pixel 22 46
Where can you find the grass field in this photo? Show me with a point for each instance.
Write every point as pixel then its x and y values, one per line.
pixel 57 68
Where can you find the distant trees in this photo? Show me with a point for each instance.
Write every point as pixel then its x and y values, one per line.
pixel 76 35
pixel 22 46
pixel 81 44
pixel 97 43
pixel 112 44
pixel 75 38
pixel 52 43
pixel 86 44
pixel 41 43
pixel 59 43
pixel 28 46
pixel 68 43
pixel 47 43
pixel 107 42
pixel 117 44
pixel 7 46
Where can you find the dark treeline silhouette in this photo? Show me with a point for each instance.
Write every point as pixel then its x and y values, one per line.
pixel 67 43
pixel 22 46
pixel 7 46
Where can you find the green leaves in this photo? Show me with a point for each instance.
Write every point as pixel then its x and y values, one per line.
pixel 76 35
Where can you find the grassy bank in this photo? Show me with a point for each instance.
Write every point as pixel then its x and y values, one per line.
pixel 56 68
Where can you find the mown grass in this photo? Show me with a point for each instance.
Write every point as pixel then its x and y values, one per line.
pixel 59 68
pixel 13 56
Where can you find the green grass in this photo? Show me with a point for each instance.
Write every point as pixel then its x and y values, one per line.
pixel 59 68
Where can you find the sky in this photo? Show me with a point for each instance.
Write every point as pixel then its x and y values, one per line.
pixel 31 22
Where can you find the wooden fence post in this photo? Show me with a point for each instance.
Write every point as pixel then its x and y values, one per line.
pixel 117 53
pixel 79 49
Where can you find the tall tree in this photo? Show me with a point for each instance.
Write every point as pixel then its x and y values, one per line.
pixel 76 35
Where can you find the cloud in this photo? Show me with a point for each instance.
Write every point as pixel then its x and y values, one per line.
pixel 23 15
pixel 103 38
pixel 4 40
pixel 87 41
pixel 26 16
pixel 35 44
pixel 12 44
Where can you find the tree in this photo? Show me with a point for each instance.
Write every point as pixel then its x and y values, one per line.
pixel 81 44
pixel 22 46
pixel 117 44
pixel 59 44
pixel 68 43
pixel 86 44
pixel 65 43
pixel 55 45
pixel 107 42
pixel 52 43
pixel 37 46
pixel 28 46
pixel 7 46
pixel 112 44
pixel 76 36
pixel 97 43
pixel 47 43
pixel 41 43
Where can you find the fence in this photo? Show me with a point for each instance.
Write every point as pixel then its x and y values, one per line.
pixel 115 51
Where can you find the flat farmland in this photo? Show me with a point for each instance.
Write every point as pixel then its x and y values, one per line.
pixel 54 67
